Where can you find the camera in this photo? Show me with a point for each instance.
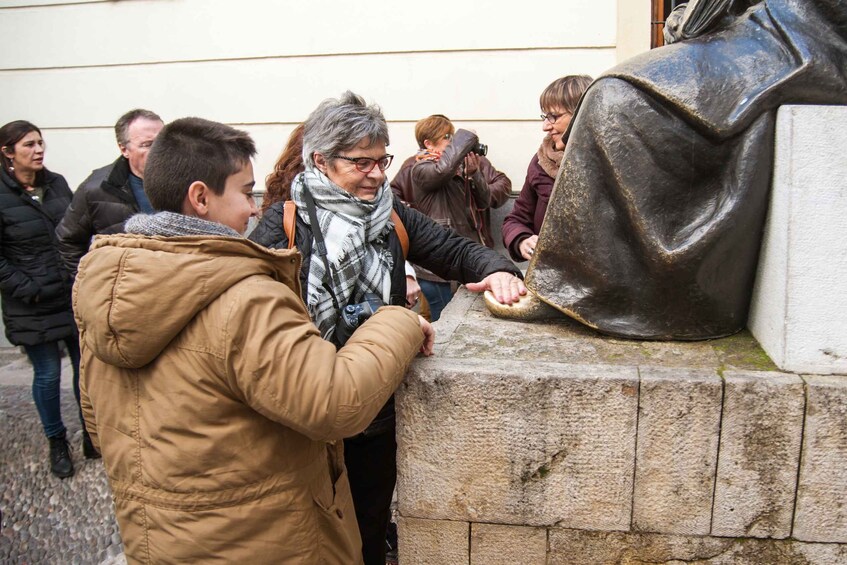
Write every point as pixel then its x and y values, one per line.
pixel 354 315
pixel 480 149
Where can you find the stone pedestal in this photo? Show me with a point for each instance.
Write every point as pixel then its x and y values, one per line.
pixel 799 310
pixel 547 443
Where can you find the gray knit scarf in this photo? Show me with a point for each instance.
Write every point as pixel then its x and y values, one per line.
pixel 171 224
pixel 356 233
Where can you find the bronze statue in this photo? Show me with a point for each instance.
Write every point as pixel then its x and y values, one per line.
pixel 655 222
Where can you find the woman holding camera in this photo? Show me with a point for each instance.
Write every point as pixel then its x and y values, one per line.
pixel 455 185
pixel 352 252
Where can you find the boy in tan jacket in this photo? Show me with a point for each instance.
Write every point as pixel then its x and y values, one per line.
pixel 217 406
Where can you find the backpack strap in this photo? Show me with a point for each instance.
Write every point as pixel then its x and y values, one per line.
pixel 289 225
pixel 289 221
pixel 402 234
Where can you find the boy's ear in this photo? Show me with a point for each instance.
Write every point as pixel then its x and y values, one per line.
pixel 197 200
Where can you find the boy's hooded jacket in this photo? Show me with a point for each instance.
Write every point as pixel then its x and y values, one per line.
pixel 217 406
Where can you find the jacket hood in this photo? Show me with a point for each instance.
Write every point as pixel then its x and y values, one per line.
pixel 133 294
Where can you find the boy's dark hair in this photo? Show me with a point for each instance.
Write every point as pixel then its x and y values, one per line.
pixel 189 150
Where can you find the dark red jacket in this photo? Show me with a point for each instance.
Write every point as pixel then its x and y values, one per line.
pixel 530 206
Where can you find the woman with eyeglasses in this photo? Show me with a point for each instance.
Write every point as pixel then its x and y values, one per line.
pixel 352 253
pixel 522 225
pixel 35 287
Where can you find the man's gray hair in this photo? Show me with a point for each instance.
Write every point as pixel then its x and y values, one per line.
pixel 340 124
pixel 123 123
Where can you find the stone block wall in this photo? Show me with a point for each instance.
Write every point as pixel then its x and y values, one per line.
pixel 546 443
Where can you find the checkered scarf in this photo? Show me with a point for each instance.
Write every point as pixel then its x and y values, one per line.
pixel 356 235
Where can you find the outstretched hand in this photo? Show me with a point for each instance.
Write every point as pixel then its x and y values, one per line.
pixel 506 287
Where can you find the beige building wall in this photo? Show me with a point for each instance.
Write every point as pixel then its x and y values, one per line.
pixel 262 65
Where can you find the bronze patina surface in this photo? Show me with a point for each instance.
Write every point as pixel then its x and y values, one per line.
pixel 655 222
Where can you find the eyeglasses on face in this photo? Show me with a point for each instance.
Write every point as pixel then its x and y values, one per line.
pixel 551 117
pixel 366 164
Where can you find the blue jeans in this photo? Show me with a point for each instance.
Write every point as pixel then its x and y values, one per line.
pixel 47 372
pixel 437 294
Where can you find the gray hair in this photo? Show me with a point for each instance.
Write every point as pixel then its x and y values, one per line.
pixel 341 124
pixel 123 123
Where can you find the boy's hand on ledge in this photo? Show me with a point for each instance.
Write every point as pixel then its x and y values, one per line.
pixel 429 336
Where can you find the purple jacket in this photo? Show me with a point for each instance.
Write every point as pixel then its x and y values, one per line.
pixel 528 213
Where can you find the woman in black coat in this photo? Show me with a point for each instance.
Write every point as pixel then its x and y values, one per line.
pixel 35 288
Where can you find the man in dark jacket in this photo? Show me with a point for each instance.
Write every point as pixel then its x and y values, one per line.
pixel 112 193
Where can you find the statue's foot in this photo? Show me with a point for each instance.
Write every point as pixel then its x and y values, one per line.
pixel 529 307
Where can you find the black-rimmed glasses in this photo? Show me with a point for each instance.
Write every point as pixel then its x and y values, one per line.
pixel 366 164
pixel 551 117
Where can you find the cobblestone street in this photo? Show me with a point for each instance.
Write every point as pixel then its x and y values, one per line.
pixel 46 519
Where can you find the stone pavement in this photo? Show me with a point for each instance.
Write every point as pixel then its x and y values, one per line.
pixel 46 519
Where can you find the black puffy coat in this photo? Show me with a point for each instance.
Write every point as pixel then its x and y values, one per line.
pixel 35 287
pixel 101 204
pixel 438 249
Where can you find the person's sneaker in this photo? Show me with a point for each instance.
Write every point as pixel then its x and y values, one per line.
pixel 88 448
pixel 60 457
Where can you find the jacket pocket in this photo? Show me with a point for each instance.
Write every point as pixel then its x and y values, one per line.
pixel 338 532
pixel 327 495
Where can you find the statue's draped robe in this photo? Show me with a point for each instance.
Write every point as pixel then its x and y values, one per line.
pixel 655 221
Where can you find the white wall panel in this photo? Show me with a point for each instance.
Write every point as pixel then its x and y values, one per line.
pixel 263 65
pixel 144 31
pixel 465 86
pixel 76 152
pixel 17 4
pixel 633 35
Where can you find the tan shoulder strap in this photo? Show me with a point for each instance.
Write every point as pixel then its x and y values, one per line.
pixel 402 235
pixel 289 221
